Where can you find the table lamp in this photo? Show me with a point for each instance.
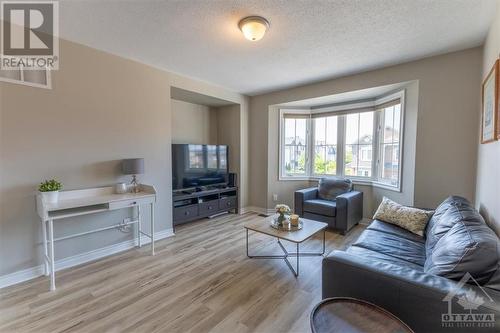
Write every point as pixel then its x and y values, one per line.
pixel 134 167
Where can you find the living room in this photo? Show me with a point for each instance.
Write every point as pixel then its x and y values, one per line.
pixel 256 166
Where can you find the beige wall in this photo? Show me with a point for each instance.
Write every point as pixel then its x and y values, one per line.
pixel 193 123
pixel 102 108
pixel 445 158
pixel 488 180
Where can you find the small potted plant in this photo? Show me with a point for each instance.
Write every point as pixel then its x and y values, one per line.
pixel 282 211
pixel 50 190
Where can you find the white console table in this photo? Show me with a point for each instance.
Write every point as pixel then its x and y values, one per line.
pixel 89 201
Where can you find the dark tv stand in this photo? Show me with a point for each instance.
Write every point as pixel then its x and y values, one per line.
pixel 193 205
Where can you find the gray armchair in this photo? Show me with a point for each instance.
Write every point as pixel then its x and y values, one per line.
pixel 333 201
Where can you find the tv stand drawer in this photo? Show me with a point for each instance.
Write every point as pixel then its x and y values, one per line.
pixel 185 212
pixel 209 207
pixel 227 203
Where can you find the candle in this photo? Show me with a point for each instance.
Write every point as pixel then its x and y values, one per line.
pixel 294 219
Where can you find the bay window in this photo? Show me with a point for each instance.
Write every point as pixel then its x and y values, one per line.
pixel 361 141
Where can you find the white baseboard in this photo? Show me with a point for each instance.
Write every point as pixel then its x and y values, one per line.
pixel 258 210
pixel 33 272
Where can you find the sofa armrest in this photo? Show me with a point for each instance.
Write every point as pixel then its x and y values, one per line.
pixel 301 196
pixel 349 210
pixel 419 299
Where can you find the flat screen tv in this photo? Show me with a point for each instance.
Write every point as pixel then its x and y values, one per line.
pixel 199 165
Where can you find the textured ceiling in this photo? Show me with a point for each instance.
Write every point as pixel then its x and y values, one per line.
pixel 308 40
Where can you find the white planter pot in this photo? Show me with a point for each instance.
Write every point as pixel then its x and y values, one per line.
pixel 50 197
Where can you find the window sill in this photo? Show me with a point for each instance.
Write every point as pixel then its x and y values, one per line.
pixel 355 181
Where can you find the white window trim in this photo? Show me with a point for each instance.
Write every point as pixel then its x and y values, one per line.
pixel 21 81
pixel 372 181
pixel 282 142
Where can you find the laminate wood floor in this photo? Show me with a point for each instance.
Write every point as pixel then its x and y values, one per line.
pixel 199 281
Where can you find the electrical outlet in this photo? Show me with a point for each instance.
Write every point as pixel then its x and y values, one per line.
pixel 275 197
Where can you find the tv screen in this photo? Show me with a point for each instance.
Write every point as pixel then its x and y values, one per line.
pixel 199 165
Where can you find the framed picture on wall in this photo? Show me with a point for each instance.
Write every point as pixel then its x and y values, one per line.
pixel 490 106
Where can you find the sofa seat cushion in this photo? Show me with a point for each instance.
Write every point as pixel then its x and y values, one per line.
pixel 394 230
pixel 393 245
pixel 374 256
pixel 321 207
pixel 463 244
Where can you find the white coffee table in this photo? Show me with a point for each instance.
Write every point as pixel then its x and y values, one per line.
pixel 309 229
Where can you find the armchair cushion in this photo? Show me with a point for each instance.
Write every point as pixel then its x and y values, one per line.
pixel 330 188
pixel 321 207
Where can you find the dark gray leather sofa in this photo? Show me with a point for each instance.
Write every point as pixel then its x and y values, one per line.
pixel 339 205
pixel 424 280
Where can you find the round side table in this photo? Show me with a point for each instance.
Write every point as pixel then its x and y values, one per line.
pixel 350 315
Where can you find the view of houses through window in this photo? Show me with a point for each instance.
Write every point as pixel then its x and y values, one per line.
pixel 363 145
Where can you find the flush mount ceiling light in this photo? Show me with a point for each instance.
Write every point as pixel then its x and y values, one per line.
pixel 253 27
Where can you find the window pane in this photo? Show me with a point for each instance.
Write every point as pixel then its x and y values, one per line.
pixel 331 160
pixel 350 161
pixel 358 157
pixel 301 160
pixel 388 124
pixel 288 159
pixel 294 146
pixel 351 130
pixel 319 160
pixel 364 161
pixel 289 131
pixel 390 163
pixel 300 132
pixel 331 130
pixel 397 122
pixel 319 131
pixel 365 128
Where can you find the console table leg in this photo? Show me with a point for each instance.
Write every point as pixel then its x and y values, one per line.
pixel 46 271
pixel 139 226
pixel 52 259
pixel 152 229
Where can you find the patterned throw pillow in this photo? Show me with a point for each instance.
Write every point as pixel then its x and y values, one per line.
pixel 411 219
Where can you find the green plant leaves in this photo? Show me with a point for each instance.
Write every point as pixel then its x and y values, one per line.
pixel 50 185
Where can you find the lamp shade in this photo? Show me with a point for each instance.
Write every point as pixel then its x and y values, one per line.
pixel 133 166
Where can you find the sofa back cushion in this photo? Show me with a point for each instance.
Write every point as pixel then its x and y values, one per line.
pixel 329 188
pixel 460 242
pixel 435 229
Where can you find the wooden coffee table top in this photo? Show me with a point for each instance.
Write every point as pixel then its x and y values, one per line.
pixel 309 228
pixel 350 315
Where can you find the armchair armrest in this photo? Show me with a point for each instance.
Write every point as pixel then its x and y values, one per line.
pixel 301 196
pixel 349 210
pixel 418 298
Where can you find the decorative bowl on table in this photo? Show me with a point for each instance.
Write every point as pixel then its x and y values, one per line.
pixel 285 226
